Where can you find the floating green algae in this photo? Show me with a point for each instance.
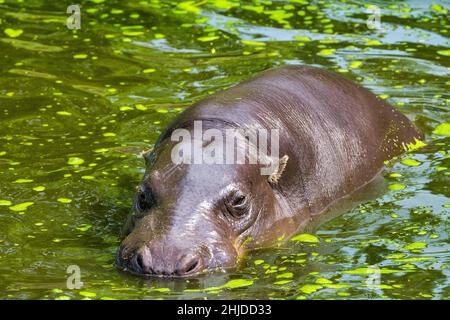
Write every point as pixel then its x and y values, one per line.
pixel 64 200
pixel 411 162
pixel 5 203
pixel 237 283
pixel 80 56
pixel 355 64
pixel 207 38
pixel 64 113
pixel 21 206
pixel 305 237
pixel 286 275
pixel 326 52
pixel 84 227
pixel 442 130
pixel 396 186
pixel 323 281
pixel 444 52
pixel 23 181
pixel 101 150
pixel 75 161
pixel 231 284
pixel 13 33
pixel 365 271
pixel 162 290
pixel 439 8
pixel 417 144
pixel 415 245
pixel 310 288
pixel 88 294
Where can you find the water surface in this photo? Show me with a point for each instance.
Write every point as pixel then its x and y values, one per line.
pixel 77 106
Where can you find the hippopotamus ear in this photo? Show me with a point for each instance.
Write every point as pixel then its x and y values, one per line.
pixel 146 154
pixel 276 175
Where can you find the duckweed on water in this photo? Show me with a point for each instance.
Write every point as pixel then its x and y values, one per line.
pixel 80 56
pixel 286 275
pixel 310 288
pixel 355 64
pixel 88 294
pixel 84 227
pixel 396 186
pixel 74 161
pixel 323 281
pixel 23 181
pixel 232 284
pixel 21 206
pixel 411 162
pixel 366 271
pixel 444 52
pixel 305 238
pixel 415 245
pixel 326 52
pixel 64 113
pixel 64 200
pixel 13 33
pixel 442 130
pixel 237 283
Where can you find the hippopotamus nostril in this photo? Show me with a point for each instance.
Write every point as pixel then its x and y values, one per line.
pixel 188 265
pixel 138 263
pixel 134 264
pixel 142 261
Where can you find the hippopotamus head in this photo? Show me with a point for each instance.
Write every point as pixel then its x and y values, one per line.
pixel 189 218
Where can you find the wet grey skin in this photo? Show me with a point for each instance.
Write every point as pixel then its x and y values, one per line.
pixel 188 219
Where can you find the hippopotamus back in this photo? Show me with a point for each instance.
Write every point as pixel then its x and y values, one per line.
pixel 336 133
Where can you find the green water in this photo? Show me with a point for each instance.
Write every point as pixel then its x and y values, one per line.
pixel 77 106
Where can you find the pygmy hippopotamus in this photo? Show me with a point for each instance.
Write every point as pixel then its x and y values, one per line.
pixel 333 137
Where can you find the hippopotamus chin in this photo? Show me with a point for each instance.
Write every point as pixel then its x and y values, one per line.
pixel 334 137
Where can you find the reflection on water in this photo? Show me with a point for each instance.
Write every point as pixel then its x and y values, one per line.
pixel 76 107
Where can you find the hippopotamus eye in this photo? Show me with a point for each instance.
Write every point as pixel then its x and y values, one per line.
pixel 237 204
pixel 144 199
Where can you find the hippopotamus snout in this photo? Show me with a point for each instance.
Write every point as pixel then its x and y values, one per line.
pixel 154 260
pixel 171 233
